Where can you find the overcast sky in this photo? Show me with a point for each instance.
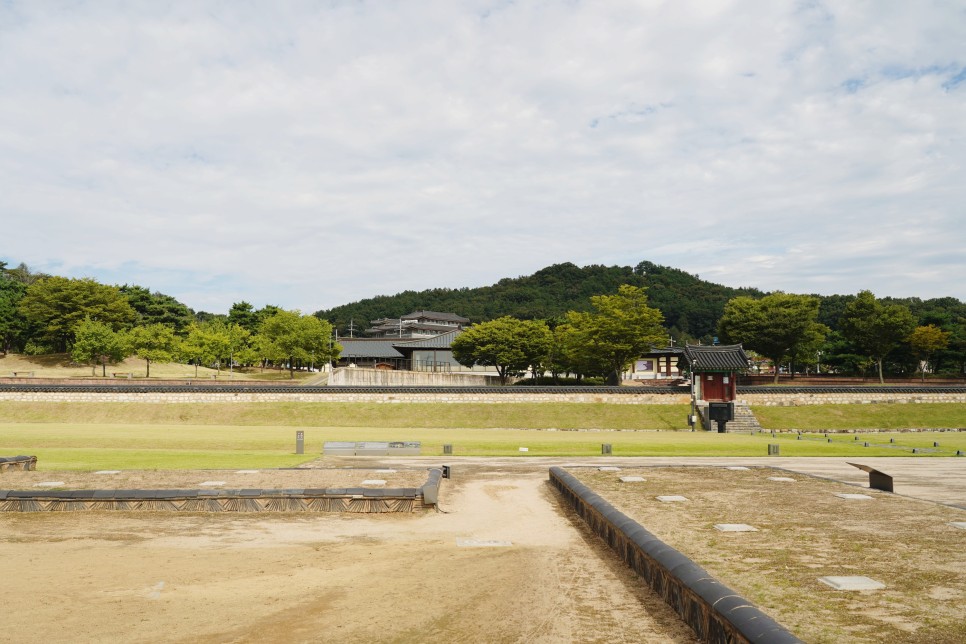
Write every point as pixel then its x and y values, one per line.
pixel 311 154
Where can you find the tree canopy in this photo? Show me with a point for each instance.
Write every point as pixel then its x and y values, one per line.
pixel 153 343
pixel 54 306
pixel 157 308
pixel 875 327
pixel 510 345
pixel 926 341
pixel 621 328
pixel 778 326
pixel 97 343
pixel 290 337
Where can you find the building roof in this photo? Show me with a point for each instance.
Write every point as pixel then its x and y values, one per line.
pixel 441 341
pixel 367 348
pixel 435 315
pixel 729 357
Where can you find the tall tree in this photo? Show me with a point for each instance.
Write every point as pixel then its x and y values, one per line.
pixel 54 306
pixel 876 328
pixel 289 336
pixel 97 343
pixel 153 343
pixel 621 328
pixel 11 322
pixel 511 346
pixel 157 308
pixel 925 342
pixel 778 326
pixel 243 314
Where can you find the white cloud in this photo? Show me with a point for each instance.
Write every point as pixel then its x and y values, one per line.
pixel 310 154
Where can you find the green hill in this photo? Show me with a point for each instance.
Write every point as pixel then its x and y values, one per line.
pixel 690 305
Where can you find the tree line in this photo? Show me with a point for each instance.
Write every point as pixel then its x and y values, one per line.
pixel 848 334
pixel 97 324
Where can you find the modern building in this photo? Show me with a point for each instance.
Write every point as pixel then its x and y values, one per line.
pixel 418 324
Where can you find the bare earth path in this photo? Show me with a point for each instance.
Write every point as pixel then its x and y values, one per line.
pixel 107 577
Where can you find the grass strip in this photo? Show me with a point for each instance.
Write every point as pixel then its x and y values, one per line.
pixel 88 447
pixel 335 414
pixel 857 416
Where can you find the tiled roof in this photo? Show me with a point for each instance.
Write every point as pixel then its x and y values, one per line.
pixel 731 357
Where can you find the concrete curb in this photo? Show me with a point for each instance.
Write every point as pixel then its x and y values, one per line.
pixel 715 612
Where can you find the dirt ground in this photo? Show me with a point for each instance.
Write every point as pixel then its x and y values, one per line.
pixel 803 532
pixel 449 575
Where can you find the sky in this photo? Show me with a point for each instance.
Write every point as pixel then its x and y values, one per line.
pixel 312 154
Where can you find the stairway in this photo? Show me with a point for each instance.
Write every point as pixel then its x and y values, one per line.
pixel 744 422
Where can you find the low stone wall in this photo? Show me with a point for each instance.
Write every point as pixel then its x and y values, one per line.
pixel 248 393
pixel 353 500
pixel 829 397
pixel 711 609
pixel 194 394
pixel 346 376
pixel 22 463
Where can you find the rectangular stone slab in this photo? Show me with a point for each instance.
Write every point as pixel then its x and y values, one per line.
pixel 482 543
pixel 671 498
pixel 631 479
pixel 854 497
pixel 852 583
pixel 735 527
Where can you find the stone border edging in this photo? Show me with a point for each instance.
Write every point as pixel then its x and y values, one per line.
pixel 715 612
pixel 366 500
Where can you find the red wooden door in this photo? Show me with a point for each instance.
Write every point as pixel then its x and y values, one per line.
pixel 713 387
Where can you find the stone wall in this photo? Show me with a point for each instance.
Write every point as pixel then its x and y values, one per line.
pixel 829 397
pixel 346 376
pixel 454 396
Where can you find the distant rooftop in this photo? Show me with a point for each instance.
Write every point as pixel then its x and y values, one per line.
pixel 724 357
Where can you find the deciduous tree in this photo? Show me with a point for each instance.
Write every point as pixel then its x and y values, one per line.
pixel 778 326
pixel 621 328
pixel 152 343
pixel 289 336
pixel 54 306
pixel 510 345
pixel 876 328
pixel 97 343
pixel 926 341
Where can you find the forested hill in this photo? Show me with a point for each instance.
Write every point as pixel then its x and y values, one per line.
pixel 690 305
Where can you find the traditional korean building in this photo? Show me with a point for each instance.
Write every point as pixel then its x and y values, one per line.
pixel 714 370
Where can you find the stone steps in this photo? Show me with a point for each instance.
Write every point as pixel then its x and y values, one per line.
pixel 744 421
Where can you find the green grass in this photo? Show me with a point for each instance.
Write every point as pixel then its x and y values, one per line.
pixel 873 416
pixel 88 447
pixel 91 436
pixel 322 414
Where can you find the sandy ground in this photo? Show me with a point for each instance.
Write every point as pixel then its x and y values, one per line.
pixel 149 577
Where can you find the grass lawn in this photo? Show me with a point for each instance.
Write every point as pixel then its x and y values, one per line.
pixel 878 416
pixel 72 446
pixel 324 414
